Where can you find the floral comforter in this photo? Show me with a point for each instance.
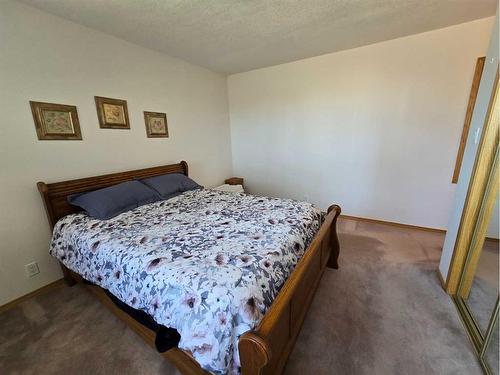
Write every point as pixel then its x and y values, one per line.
pixel 207 263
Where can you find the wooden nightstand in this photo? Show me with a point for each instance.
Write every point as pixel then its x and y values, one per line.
pixel 234 181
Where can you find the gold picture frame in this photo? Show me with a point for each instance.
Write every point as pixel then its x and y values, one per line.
pixel 55 121
pixel 112 113
pixel 156 124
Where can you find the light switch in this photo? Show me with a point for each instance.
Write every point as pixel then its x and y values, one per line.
pixel 476 135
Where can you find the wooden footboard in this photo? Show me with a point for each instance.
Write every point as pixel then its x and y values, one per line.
pixel 265 350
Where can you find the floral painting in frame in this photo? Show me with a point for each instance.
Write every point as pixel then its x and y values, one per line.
pixel 56 121
pixel 112 113
pixel 156 124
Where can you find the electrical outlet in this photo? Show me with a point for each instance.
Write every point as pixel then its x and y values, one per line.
pixel 32 269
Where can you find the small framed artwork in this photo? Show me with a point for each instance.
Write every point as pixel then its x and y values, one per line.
pixel 112 113
pixel 56 121
pixel 156 124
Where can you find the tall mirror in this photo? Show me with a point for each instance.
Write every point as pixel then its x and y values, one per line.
pixel 478 292
pixel 484 290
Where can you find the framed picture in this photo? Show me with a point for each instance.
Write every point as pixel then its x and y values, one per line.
pixel 112 113
pixel 56 121
pixel 156 124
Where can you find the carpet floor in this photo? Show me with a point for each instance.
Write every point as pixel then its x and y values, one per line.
pixel 383 312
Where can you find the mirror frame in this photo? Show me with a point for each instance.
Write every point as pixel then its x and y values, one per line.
pixel 483 164
pixel 480 203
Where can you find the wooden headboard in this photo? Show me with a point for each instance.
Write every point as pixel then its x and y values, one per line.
pixel 55 195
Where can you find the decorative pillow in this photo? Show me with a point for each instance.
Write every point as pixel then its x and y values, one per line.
pixel 108 202
pixel 171 184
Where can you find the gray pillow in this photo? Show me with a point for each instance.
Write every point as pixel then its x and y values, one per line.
pixel 108 202
pixel 171 184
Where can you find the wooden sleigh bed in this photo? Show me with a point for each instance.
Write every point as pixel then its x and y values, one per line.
pixel 263 350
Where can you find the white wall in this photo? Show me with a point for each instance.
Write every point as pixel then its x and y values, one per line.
pixel 478 119
pixel 45 58
pixel 375 129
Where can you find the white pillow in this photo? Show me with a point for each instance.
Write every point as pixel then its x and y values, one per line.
pixel 230 188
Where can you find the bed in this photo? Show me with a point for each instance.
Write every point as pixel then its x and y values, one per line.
pixel 236 281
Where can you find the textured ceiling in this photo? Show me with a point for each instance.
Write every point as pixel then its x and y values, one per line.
pixel 230 36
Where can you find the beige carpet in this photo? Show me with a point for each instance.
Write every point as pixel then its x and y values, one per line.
pixel 383 312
